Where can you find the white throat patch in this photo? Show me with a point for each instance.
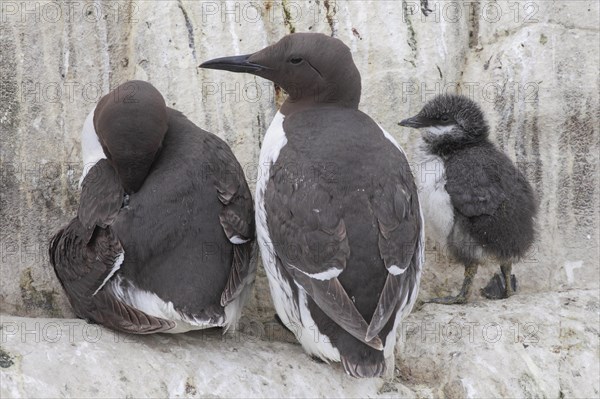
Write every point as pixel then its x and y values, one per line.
pixel 438 130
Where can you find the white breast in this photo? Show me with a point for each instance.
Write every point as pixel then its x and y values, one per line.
pixel 436 204
pixel 91 150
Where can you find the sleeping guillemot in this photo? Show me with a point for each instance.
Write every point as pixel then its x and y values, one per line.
pixel 338 218
pixel 479 205
pixel 164 237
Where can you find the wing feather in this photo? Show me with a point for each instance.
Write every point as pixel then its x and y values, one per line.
pixel 237 219
pixel 474 190
pixel 101 197
pixel 81 268
pixel 399 222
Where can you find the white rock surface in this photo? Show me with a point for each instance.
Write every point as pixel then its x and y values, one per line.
pixel 530 346
pixel 52 358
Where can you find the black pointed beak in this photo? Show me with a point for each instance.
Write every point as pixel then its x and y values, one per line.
pixel 415 122
pixel 238 63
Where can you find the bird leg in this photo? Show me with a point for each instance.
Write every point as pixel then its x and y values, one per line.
pixel 501 285
pixel 465 291
pixel 506 269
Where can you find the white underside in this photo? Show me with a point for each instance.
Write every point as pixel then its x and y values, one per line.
pixel 153 305
pixel 436 203
pixel 91 150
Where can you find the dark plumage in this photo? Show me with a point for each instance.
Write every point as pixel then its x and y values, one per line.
pixel 493 206
pixel 164 234
pixel 338 217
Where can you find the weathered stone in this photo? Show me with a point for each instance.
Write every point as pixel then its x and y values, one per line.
pixel 533 67
pixel 51 358
pixel 529 346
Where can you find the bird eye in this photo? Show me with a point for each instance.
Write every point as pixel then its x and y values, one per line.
pixel 296 60
pixel 444 118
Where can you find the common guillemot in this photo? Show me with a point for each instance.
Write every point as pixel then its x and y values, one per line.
pixel 164 237
pixel 338 218
pixel 479 205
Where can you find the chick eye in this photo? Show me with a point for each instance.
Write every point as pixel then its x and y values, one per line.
pixel 296 60
pixel 444 118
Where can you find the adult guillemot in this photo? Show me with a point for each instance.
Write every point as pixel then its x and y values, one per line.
pixel 337 212
pixel 479 205
pixel 164 236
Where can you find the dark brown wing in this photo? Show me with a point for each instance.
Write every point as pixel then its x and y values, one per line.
pixel 242 272
pixel 315 249
pixel 86 253
pixel 332 298
pixel 237 220
pixel 83 269
pixel 399 223
pixel 115 314
pixel 101 197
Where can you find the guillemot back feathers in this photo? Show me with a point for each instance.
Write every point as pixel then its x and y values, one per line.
pixel 164 236
pixel 338 218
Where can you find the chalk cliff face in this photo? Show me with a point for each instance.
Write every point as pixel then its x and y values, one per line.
pixel 533 67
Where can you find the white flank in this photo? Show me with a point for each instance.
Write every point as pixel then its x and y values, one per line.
pixel 153 305
pixel 309 335
pixel 116 266
pixel 91 150
pixel 281 292
pixel 295 317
